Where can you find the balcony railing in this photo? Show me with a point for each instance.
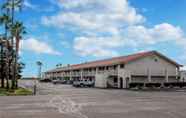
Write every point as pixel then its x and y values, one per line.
pixel 109 72
pixel 84 73
pixel 89 73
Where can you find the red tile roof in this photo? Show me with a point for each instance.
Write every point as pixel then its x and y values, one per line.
pixel 119 60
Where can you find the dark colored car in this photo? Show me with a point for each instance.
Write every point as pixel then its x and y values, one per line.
pixel 46 80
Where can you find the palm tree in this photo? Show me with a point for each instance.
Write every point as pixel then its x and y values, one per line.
pixel 2 62
pixel 12 5
pixel 17 31
pixel 20 67
pixel 4 20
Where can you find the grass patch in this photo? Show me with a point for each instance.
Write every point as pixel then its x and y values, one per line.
pixel 3 92
pixel 16 92
pixel 23 91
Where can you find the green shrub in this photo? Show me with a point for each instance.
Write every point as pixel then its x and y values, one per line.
pixel 3 92
pixel 23 91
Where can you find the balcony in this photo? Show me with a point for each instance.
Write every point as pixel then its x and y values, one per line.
pixel 76 74
pixel 109 72
pixel 93 73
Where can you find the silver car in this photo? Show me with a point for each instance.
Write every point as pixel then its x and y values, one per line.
pixel 83 83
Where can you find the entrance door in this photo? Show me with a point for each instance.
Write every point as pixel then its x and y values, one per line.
pixel 127 82
pixel 121 82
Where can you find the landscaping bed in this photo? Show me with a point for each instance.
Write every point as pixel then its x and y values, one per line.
pixel 15 92
pixel 166 85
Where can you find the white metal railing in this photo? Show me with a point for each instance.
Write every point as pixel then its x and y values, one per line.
pixel 89 73
pixel 110 72
pixel 75 73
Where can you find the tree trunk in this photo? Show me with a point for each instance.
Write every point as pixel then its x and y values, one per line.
pixel 2 67
pixel 7 67
pixel 16 61
pixel 12 41
pixel 7 84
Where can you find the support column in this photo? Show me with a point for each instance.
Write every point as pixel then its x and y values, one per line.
pixel 96 70
pixel 118 77
pixel 149 75
pixel 81 74
pixel 166 75
pixel 177 74
pixel 70 75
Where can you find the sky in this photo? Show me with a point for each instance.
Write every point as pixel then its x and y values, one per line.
pixel 77 31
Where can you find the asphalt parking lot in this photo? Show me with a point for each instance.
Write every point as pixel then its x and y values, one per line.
pixel 64 101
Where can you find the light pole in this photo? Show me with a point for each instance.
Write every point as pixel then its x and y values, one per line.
pixel 39 64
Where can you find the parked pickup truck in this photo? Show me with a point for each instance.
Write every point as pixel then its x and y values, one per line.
pixel 83 83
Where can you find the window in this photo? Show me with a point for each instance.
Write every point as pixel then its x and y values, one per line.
pixel 115 66
pixel 156 60
pixel 115 80
pixel 122 65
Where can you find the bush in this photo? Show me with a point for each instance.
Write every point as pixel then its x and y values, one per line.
pixel 151 85
pixel 175 84
pixel 136 85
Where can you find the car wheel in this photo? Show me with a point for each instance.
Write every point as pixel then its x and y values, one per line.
pixel 81 85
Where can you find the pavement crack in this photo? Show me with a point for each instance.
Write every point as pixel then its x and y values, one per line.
pixel 67 106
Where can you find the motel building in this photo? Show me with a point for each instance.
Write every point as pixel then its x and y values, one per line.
pixel 118 72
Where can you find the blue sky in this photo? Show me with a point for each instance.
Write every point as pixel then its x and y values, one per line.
pixel 68 32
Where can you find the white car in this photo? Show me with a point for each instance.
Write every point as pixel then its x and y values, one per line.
pixel 83 83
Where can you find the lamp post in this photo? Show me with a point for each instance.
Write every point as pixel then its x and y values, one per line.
pixel 39 64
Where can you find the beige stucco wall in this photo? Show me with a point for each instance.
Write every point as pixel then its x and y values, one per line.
pixel 143 65
pixel 148 65
pixel 101 80
pixel 183 76
pixel 139 79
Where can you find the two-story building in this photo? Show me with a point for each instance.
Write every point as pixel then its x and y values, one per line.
pixel 118 72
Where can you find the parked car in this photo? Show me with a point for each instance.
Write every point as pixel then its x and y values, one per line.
pixel 45 80
pixel 69 82
pixel 83 83
pixel 59 81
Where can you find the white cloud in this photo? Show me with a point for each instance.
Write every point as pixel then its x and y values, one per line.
pixel 142 35
pixel 183 68
pixel 94 14
pixel 37 46
pixel 65 44
pixel 38 8
pixel 28 4
pixel 133 36
pixel 93 18
pixel 105 25
pixel 98 47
